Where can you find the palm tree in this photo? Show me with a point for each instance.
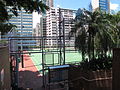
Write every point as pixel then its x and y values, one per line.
pixel 116 21
pixel 93 33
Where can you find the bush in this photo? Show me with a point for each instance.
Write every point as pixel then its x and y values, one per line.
pixel 97 64
pixel 3 42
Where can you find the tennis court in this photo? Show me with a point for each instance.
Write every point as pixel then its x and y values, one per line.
pixel 53 58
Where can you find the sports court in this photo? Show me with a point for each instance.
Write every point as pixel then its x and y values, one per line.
pixel 37 60
pixel 52 58
pixel 32 73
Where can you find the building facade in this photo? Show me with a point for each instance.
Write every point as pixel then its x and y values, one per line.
pixel 55 23
pixel 103 5
pixel 49 3
pixel 37 33
pixel 24 23
pixel 58 23
pixel 37 30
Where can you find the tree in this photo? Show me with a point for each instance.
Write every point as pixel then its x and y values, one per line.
pixel 116 21
pixel 95 33
pixel 6 27
pixel 15 5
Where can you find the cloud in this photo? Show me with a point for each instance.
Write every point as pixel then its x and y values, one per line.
pixel 114 6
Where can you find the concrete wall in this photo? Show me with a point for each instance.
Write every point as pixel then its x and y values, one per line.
pixel 116 69
pixel 90 80
pixel 5 80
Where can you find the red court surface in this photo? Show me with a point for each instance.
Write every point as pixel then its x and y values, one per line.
pixel 29 77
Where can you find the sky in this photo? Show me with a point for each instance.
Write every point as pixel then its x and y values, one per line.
pixel 75 4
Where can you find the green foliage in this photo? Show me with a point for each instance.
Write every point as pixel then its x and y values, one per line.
pixel 6 27
pixel 27 5
pixel 3 42
pixel 97 64
pixel 15 5
pixel 96 33
pixel 3 13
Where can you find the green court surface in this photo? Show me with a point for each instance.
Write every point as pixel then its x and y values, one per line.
pixel 37 60
pixel 53 58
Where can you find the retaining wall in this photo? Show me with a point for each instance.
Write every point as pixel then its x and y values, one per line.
pixel 90 80
pixel 5 80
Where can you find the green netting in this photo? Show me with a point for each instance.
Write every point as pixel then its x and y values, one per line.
pixel 49 58
pixel 71 57
pixel 56 58
pixel 52 58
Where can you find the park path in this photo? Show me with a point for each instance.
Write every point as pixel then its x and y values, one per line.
pixel 29 77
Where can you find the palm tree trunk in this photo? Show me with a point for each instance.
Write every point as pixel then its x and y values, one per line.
pixel 93 47
pixel 89 46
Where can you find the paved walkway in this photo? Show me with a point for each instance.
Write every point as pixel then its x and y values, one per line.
pixel 29 77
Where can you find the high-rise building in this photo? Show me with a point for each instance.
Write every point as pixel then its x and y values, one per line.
pixel 37 33
pixel 50 23
pixel 49 3
pixel 37 30
pixel 53 24
pixel 103 5
pixel 24 23
pixel 43 18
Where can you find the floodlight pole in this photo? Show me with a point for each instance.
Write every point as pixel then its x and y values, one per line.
pixel 64 41
pixel 42 47
pixel 62 35
pixel 60 42
pixel 43 62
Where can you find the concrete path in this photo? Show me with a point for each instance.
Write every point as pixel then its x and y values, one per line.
pixel 29 77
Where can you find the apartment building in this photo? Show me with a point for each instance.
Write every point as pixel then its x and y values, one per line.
pixel 58 23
